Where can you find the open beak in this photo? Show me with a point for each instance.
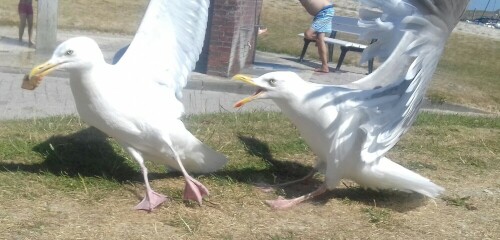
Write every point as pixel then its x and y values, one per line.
pixel 249 80
pixel 34 78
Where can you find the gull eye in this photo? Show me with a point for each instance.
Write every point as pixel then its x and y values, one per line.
pixel 69 52
pixel 272 82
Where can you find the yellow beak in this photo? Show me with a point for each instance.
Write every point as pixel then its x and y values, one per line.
pixel 246 79
pixel 34 78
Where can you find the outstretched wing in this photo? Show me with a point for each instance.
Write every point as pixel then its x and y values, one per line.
pixel 168 42
pixel 411 36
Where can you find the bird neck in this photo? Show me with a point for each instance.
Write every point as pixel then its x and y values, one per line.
pixel 294 100
pixel 88 69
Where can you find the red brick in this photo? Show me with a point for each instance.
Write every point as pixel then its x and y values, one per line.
pixel 232 20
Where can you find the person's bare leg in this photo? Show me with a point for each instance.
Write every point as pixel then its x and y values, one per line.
pixel 22 25
pixel 322 51
pixel 310 34
pixel 30 29
pixel 261 31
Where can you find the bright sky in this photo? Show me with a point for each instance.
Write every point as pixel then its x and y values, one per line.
pixel 481 4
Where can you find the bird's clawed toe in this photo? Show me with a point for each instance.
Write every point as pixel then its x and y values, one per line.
pixel 281 203
pixel 194 190
pixel 151 201
pixel 264 187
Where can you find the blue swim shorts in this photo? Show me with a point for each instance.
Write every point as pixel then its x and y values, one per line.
pixel 322 22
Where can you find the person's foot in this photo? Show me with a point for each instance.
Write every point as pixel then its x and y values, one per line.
pixel 261 31
pixel 322 70
pixel 31 45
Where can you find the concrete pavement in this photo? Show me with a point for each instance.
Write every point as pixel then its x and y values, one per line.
pixel 203 94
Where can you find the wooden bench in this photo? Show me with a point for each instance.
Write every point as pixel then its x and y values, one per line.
pixel 341 24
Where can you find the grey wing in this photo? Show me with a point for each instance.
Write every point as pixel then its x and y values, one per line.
pixel 412 35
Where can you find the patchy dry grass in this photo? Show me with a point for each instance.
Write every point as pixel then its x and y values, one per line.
pixel 468 73
pixel 60 179
pixel 113 16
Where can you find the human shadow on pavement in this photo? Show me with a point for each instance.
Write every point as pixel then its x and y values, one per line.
pixel 9 41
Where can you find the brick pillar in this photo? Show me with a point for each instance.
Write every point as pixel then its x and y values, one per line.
pixel 233 32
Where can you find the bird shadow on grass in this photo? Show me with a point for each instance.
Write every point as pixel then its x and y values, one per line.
pixel 278 170
pixel 391 199
pixel 86 153
pixel 283 171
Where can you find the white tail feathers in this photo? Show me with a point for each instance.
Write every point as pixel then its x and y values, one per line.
pixel 200 158
pixel 203 159
pixel 386 174
pixel 196 157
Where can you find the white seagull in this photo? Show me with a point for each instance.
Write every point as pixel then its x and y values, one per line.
pixel 350 128
pixel 136 101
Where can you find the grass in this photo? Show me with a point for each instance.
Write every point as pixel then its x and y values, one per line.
pixel 459 202
pixel 60 179
pixel 376 215
pixel 102 16
pixel 468 72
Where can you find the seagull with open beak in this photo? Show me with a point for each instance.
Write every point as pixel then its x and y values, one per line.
pixel 351 127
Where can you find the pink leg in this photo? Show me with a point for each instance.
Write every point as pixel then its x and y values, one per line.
pixel 193 190
pixel 282 203
pixel 270 188
pixel 152 198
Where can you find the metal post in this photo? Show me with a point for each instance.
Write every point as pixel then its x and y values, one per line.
pixel 46 30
